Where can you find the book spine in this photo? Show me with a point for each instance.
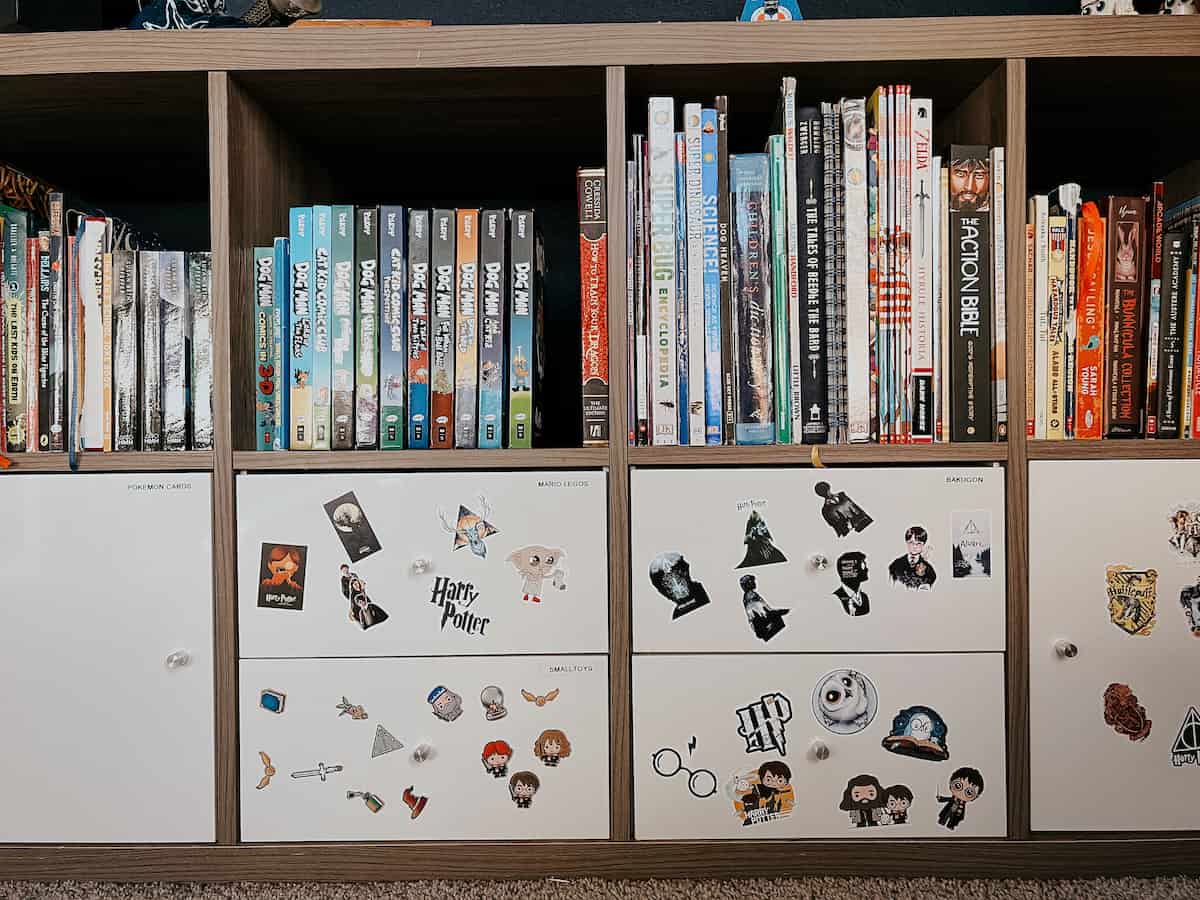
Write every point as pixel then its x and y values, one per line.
pixel 1170 365
pixel 72 338
pixel 1000 295
pixel 1125 300
pixel 522 328
pixel 322 322
pixel 712 277
pixel 442 260
pixel 838 355
pixel 593 281
pixel 664 418
pixel 725 261
pixel 750 182
pixel 922 192
pixel 1189 303
pixel 810 416
pixel 366 328
pixel 936 294
pixel 15 270
pixel 107 312
pixel 641 292
pixel 200 313
pixel 150 301
pixel 126 371
pixel 631 302
pixel 1040 214
pixel 393 349
pixel 173 290
pixel 282 290
pixel 681 290
pixel 466 323
pixel 779 289
pixel 31 313
pixel 904 262
pixel 341 344
pixel 694 203
pixel 493 258
pixel 943 423
pixel 58 324
pixel 1071 357
pixel 40 422
pixel 267 382
pixel 971 342
pixel 300 336
pixel 418 329
pixel 883 314
pixel 1030 343
pixel 829 135
pixel 91 301
pixel 1154 301
pixel 859 241
pixel 1056 329
pixel 789 322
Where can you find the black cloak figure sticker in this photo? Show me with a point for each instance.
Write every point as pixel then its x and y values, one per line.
pixel 362 610
pixel 764 621
pixel 852 572
pixel 1131 599
pixel 971 540
pixel 919 732
pixel 759 549
pixel 1189 599
pixel 471 528
pixel 913 570
pixel 671 576
pixel 845 701
pixel 1123 712
pixel 1185 530
pixel 966 786
pixel 281 576
pixel 350 522
pixel 1186 749
pixel 839 511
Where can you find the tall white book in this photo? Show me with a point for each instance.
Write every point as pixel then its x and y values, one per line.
pixel 1039 214
pixel 858 317
pixel 921 203
pixel 91 300
pixel 664 391
pixel 999 301
pixel 694 200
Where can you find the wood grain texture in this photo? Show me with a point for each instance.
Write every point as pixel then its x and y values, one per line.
pixel 419 460
pixel 838 454
pixel 1103 449
pixel 603 45
pixel 980 117
pixel 159 461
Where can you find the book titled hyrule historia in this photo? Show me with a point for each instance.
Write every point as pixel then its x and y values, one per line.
pixel 200 313
pixel 126 364
pixel 924 194
pixel 267 379
pixel 393 349
pixel 418 328
pixel 322 369
pixel 300 328
pixel 749 182
pixel 466 330
pixel 150 295
pixel 443 233
pixel 493 274
pixel 664 414
pixel 366 329
pixel 173 288
pixel 593 275
pixel 1126 300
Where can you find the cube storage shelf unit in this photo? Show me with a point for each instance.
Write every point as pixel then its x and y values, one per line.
pixel 211 136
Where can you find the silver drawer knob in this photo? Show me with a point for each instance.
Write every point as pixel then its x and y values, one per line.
pixel 420 565
pixel 1065 649
pixel 177 659
pixel 819 562
pixel 819 750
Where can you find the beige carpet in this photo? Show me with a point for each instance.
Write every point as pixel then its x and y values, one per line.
pixel 805 888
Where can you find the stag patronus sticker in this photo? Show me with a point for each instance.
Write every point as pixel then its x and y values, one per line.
pixel 471 528
pixel 1131 597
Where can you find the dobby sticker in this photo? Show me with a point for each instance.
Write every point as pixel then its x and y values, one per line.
pixel 363 612
pixel 281 576
pixel 551 747
pixel 539 699
pixel 522 787
pixel 919 732
pixel 496 755
pixel 268 771
pixel 446 704
pixel 764 621
pixel 869 804
pixel 537 565
pixel 667 763
pixel 356 534
pixel 852 572
pixel 671 576
pixel 272 701
pixel 913 570
pixel 471 528
pixel 845 701
pixel 840 513
pixel 1131 599
pixel 1123 712
pixel 385 742
pixel 760 724
pixel 1185 530
pixel 763 794
pixel 971 542
pixel 353 710
pixel 760 551
pixel 966 786
pixel 1186 749
pixel 1189 599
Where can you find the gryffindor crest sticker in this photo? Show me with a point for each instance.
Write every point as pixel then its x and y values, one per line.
pixel 1131 598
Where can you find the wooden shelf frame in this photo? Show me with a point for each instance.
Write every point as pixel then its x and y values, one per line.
pixel 257 170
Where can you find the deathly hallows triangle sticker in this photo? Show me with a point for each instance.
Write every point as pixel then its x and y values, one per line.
pixel 1186 749
pixel 385 742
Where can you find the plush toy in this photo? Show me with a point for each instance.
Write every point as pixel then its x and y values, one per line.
pixel 1107 8
pixel 174 15
pixel 1179 8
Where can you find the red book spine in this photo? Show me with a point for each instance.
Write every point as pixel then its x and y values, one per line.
pixel 593 282
pixel 1126 301
pixel 1089 312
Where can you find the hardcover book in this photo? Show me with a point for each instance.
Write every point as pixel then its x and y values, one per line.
pixel 58 326
pixel 1153 316
pixel 173 288
pixel 493 267
pixel 749 178
pixel 107 355
pixel 393 349
pixel 200 311
pixel 858 241
pixel 1089 326
pixel 1000 297
pixel 90 276
pixel 1124 363
pixel 341 344
pixel 466 323
pixel 1170 366
pixel 1039 215
pixel 126 368
pixel 808 317
pixel 631 302
pixel 593 280
pixel 681 281
pixel 366 329
pixel 777 157
pixel 790 321
pixel 640 250
pixel 268 379
pixel 922 202
pixel 418 329
pixel 1056 329
pixel 300 323
pixel 711 276
pixel 725 262
pixel 441 326
pixel 694 220
pixel 322 322
pixel 150 300
pixel 664 412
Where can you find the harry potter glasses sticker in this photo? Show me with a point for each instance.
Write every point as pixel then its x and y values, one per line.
pixel 764 621
pixel 496 755
pixel 372 801
pixel 760 724
pixel 385 742
pixel 552 747
pixel 362 610
pixel 763 795
pixel 1185 530
pixel 852 572
pixel 971 542
pixel 1189 599
pixel 919 732
pixel 539 699
pixel 1123 712
pixel 760 551
pixel 870 804
pixel 471 528
pixel 350 522
pixel 966 786
pixel 913 570
pixel 845 701
pixel 535 564
pixel 446 704
pixel 272 701
pixel 281 576
pixel 268 771
pixel 1186 749
pixel 667 763
pixel 354 711
pixel 1131 599
pixel 521 787
pixel 492 699
pixel 840 512
pixel 671 576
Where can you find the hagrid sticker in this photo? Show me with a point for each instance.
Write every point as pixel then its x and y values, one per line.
pixel 919 732
pixel 268 771
pixel 1189 599
pixel 354 710
pixel 272 701
pixel 1185 530
pixel 362 611
pixel 281 576
pixel 471 529
pixel 764 621
pixel 1131 598
pixel 761 723
pixel 841 513
pixel 913 570
pixel 385 742
pixel 852 572
pixel 763 794
pixel 496 755
pixel 539 699
pixel 971 543
pixel 1123 712
pixel 760 551
pixel 446 704
pixel 845 701
pixel 536 565
pixel 966 786
pixel 671 576
pixel 667 763
pixel 492 699
pixel 869 804
pixel 372 801
pixel 348 519
pixel 1186 749
pixel 522 787
pixel 551 747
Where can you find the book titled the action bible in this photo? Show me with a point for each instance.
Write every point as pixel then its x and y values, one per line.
pixel 970 295
pixel 593 274
pixel 1126 300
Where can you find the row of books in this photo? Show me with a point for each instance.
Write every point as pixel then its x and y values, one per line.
pixel 104 347
pixel 846 285
pixel 1112 347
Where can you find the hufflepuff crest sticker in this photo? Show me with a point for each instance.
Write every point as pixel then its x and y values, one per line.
pixel 1131 598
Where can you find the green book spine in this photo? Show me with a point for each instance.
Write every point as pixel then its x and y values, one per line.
pixel 779 279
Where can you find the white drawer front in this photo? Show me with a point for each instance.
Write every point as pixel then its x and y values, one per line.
pixel 715 525
pixel 321 724
pixel 705 726
pixel 446 563
pixel 1086 517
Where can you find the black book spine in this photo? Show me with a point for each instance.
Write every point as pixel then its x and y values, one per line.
pixel 810 203
pixel 724 260
pixel 1172 317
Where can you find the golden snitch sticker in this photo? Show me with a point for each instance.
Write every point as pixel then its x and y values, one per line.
pixel 1131 598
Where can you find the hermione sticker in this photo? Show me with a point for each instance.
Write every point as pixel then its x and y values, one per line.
pixel 362 610
pixel 281 576
pixel 552 747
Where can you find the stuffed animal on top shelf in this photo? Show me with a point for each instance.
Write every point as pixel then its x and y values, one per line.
pixel 184 15
pixel 1129 8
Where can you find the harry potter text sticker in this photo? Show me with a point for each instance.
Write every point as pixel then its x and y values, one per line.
pixel 1123 712
pixel 372 801
pixel 841 513
pixel 353 710
pixel 522 787
pixel 455 599
pixel 281 576
pixel 667 763
pixel 760 724
pixel 471 528
pixel 272 701
pixel 913 570
pixel 539 699
pixel 919 732
pixel 763 794
pixel 415 803
pixel 845 701
pixel 760 551
pixel 971 543
pixel 1189 599
pixel 1185 530
pixel 552 747
pixel 385 742
pixel 1186 749
pixel 492 699
pixel 671 576
pixel 363 612
pixel 852 572
pixel 350 522
pixel 537 565
pixel 966 786
pixel 268 771
pixel 869 804
pixel 1131 599
pixel 496 755
pixel 764 621
pixel 446 704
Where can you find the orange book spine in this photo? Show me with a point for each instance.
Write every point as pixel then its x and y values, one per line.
pixel 1089 379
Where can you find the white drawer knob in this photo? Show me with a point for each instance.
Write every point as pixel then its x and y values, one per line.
pixel 819 562
pixel 1065 649
pixel 420 565
pixel 177 659
pixel 820 750
pixel 422 752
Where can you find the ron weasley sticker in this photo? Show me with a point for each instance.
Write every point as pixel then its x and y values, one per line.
pixel 763 794
pixel 1124 713
pixel 281 576
pixel 356 534
pixel 1131 598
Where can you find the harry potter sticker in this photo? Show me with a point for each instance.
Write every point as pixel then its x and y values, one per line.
pixel 496 755
pixel 470 529
pixel 845 701
pixel 760 724
pixel 1185 530
pixel 350 522
pixel 869 804
pixel 913 570
pixel 966 786
pixel 522 787
pixel 667 763
pixel 1189 599
pixel 971 542
pixel 281 576
pixel 764 621
pixel 537 564
pixel 919 732
pixel 1131 599
pixel 764 794
pixel 455 599
pixel 1186 749
pixel 551 747
pixel 446 704
pixel 840 512
pixel 1123 712
pixel 362 611
pixel 852 572
pixel 760 551
pixel 671 576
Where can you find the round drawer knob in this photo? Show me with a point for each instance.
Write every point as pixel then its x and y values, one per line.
pixel 1065 649
pixel 177 659
pixel 420 565
pixel 820 750
pixel 819 562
